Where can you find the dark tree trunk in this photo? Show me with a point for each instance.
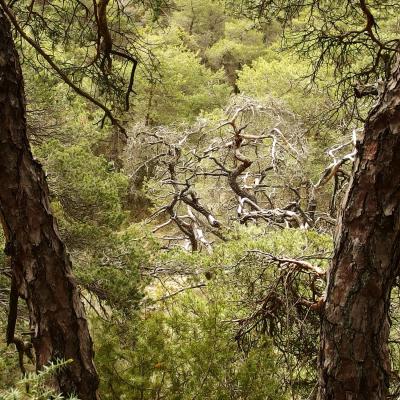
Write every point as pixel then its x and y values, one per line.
pixel 41 266
pixel 354 358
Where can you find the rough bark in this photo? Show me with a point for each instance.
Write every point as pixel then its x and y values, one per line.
pixel 41 266
pixel 354 357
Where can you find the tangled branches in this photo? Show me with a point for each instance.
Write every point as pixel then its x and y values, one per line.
pixel 101 45
pixel 256 161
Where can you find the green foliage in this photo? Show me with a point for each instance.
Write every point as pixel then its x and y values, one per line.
pixel 284 76
pixel 240 44
pixel 110 268
pixel 37 386
pixel 289 242
pixel 88 200
pixel 186 89
pixel 184 346
pixel 200 23
pixel 206 28
pixel 183 351
pixel 87 186
pixel 9 372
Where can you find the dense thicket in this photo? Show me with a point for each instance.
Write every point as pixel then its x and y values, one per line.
pixel 196 164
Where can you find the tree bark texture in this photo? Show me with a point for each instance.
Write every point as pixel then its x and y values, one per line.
pixel 354 356
pixel 41 265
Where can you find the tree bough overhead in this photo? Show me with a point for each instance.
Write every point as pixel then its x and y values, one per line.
pixel 41 269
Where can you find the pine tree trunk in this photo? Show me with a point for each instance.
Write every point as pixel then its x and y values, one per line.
pixel 41 266
pixel 354 358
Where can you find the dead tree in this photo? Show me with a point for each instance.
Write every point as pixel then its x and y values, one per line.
pixel 255 160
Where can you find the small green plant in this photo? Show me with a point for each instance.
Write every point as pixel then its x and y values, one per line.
pixel 35 386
